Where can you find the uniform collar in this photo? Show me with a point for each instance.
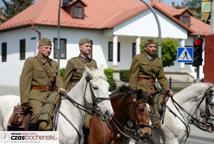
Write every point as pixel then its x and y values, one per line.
pixel 150 57
pixel 84 59
pixel 43 59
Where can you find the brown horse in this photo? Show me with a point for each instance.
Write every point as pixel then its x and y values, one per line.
pixel 131 119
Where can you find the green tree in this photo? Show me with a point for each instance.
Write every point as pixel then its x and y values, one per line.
pixel 194 5
pixel 169 50
pixel 13 7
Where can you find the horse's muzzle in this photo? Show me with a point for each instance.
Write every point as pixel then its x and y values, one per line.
pixel 107 115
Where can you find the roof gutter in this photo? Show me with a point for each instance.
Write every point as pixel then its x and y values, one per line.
pixel 39 36
pixel 36 30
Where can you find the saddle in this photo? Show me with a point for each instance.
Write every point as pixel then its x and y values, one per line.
pixel 18 121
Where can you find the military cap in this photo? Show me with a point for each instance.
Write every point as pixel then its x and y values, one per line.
pixel 85 40
pixel 148 42
pixel 44 42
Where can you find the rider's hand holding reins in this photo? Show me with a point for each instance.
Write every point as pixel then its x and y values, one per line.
pixel 61 90
pixel 169 92
pixel 26 108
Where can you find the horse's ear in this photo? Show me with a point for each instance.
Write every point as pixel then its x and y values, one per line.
pixel 139 94
pixel 88 76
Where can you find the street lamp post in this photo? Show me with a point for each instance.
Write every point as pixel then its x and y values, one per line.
pixel 212 16
pixel 159 27
pixel 58 35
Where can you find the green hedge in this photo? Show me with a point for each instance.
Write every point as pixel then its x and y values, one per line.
pixel 124 75
pixel 109 74
pixel 62 71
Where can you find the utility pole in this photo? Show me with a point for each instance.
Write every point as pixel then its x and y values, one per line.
pixel 212 16
pixel 58 35
pixel 158 25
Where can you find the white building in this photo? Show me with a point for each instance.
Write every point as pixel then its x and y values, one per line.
pixel 116 28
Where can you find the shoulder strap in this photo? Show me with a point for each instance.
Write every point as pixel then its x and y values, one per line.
pixel 45 68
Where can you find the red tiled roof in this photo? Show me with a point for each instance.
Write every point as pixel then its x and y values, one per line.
pixel 100 14
pixel 196 26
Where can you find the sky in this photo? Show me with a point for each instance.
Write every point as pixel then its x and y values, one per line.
pixel 170 1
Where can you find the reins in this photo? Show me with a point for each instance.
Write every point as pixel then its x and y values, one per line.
pixel 193 119
pixel 89 110
pixel 129 132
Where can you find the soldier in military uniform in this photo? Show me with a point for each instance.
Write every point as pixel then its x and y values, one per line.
pixel 74 71
pixel 76 66
pixel 40 83
pixel 145 69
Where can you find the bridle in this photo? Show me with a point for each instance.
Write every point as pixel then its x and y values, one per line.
pixel 90 110
pixel 134 131
pixel 207 115
pixel 194 120
pixel 208 93
pixel 137 125
pixel 95 100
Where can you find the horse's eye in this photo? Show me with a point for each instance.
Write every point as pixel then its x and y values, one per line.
pixel 95 87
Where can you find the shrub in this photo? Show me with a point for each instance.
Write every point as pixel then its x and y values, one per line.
pixel 62 71
pixel 109 74
pixel 124 75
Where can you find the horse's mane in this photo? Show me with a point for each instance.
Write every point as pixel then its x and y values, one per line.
pixel 201 87
pixel 123 89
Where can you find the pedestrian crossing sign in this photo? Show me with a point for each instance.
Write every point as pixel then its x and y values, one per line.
pixel 185 54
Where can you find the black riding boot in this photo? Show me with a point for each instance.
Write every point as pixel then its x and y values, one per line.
pixel 32 127
pixel 86 134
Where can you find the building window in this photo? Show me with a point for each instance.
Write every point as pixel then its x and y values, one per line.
pixel 22 49
pixel 63 44
pixel 4 52
pixel 110 51
pixel 134 49
pixel 185 19
pixel 118 52
pixel 78 11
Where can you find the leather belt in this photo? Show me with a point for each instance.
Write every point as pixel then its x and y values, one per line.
pixel 42 88
pixel 140 77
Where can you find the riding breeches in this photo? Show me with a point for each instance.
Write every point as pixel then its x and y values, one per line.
pixel 157 109
pixel 47 112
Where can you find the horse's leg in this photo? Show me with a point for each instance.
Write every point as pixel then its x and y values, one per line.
pixel 157 136
pixel 170 138
pixel 1 123
pixel 125 140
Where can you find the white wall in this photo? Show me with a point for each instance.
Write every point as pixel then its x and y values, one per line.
pixel 144 25
pixel 10 70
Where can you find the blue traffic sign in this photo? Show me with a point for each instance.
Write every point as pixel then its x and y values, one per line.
pixel 185 54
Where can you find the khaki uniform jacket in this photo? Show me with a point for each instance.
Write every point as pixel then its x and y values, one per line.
pixel 74 70
pixel 34 74
pixel 142 65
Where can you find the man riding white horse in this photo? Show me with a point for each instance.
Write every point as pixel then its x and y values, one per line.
pixel 40 83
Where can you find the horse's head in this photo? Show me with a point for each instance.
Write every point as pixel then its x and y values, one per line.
pixel 208 108
pixel 97 92
pixel 139 113
pixel 210 102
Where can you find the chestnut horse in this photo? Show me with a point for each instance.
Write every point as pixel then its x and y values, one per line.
pixel 131 119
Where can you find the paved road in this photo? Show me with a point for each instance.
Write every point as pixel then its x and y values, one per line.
pixel 6 90
pixel 197 136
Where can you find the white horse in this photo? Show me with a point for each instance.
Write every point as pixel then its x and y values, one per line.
pixel 92 89
pixel 178 116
